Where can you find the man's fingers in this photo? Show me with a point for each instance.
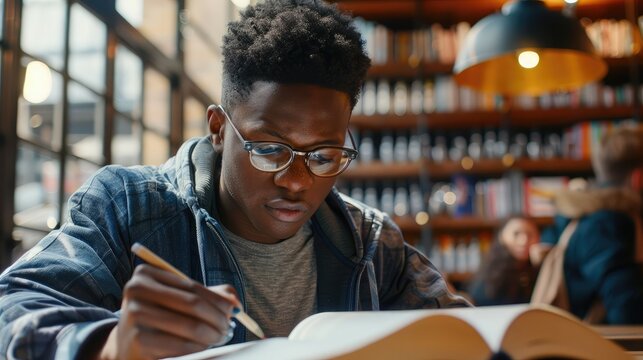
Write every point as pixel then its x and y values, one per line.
pixel 157 345
pixel 192 329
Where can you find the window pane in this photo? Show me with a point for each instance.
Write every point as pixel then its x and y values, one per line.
pixel 85 118
pixel 128 82
pixel 43 30
pixel 195 124
pixel 40 105
pixel 37 189
pixel 26 239
pixel 156 113
pixel 76 173
pixel 212 16
pixel 203 63
pixel 1 18
pixel 87 43
pixel 156 19
pixel 156 149
pixel 126 143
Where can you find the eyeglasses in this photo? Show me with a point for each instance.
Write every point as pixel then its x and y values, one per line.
pixel 271 156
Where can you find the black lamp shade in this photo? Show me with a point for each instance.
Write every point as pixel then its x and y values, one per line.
pixel 487 61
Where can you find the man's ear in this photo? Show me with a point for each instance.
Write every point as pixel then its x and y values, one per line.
pixel 216 123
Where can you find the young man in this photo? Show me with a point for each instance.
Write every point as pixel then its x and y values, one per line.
pixel 249 211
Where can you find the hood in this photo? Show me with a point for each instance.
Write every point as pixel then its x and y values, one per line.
pixel 575 204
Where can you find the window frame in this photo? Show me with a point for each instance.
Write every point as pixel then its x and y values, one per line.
pixel 118 32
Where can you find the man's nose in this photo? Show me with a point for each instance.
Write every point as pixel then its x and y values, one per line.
pixel 296 177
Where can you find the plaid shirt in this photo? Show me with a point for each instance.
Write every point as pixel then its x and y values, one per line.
pixel 69 286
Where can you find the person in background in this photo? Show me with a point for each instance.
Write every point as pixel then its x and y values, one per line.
pixel 249 213
pixel 507 274
pixel 602 262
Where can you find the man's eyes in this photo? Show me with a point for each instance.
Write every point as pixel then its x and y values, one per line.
pixel 269 149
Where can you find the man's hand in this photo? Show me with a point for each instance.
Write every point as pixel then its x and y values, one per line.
pixel 163 315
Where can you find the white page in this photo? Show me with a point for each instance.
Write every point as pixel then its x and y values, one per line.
pixel 490 322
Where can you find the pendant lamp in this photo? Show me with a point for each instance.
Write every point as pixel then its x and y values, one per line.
pixel 527 49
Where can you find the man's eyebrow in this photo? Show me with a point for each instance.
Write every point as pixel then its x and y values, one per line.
pixel 280 136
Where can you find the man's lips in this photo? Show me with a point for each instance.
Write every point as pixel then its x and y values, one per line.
pixel 286 210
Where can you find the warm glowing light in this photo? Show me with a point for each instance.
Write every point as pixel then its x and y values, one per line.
pixel 400 209
pixel 449 198
pixel 241 4
pixel 467 163
pixel 528 59
pixel 52 222
pixel 35 121
pixel 38 82
pixel 421 218
pixel 508 160
pixel 571 1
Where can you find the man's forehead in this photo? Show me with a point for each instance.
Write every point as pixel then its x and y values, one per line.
pixel 287 97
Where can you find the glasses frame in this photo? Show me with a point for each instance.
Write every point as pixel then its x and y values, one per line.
pixel 250 145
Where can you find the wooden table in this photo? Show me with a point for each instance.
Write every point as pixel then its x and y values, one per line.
pixel 629 337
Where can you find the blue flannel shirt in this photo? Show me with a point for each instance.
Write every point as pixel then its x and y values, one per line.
pixel 69 286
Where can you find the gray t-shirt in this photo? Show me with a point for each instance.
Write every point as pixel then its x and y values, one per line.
pixel 280 279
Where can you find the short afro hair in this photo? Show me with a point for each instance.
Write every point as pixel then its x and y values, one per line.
pixel 292 42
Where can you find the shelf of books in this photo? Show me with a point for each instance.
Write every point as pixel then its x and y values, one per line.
pixel 461 224
pixel 451 162
pixel 444 170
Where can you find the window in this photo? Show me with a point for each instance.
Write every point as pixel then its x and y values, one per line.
pixel 43 30
pixel 128 102
pixel 156 117
pixel 204 25
pixel 87 43
pixel 128 82
pixel 40 107
pixel 195 123
pixel 77 171
pixel 126 143
pixel 1 19
pixel 156 19
pixel 36 199
pixel 156 148
pixel 156 101
pixel 72 119
pixel 85 122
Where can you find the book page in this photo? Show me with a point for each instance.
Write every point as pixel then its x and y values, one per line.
pixel 216 352
pixel 409 335
pixel 549 332
pixel 490 322
pixel 465 333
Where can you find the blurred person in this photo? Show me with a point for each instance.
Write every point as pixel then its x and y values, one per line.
pixel 507 274
pixel 602 261
pixel 249 213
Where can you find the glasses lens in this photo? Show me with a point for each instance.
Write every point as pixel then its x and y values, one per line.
pixel 328 161
pixel 270 156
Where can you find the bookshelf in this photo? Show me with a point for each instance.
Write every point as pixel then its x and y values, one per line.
pixel 564 125
pixel 380 171
pixel 489 118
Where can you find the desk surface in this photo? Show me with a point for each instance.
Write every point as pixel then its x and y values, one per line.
pixel 628 337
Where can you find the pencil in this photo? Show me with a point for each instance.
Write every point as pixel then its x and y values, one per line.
pixel 153 259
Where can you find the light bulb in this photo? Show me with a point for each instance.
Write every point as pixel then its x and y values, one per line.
pixel 528 59
pixel 38 82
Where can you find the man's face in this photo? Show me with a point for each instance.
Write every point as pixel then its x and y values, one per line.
pixel 269 207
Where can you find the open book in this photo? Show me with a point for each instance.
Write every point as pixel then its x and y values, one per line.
pixel 518 331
